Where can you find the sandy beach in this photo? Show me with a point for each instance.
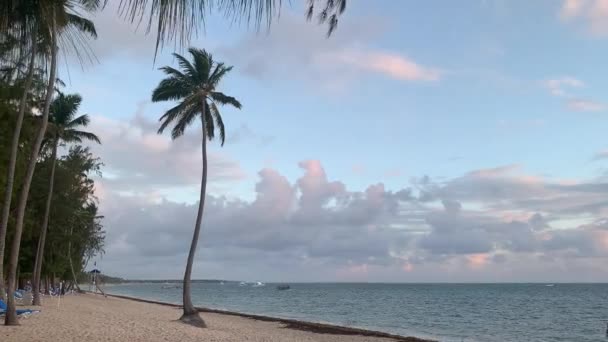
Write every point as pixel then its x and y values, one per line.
pixel 89 317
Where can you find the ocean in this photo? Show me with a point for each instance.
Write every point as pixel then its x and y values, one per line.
pixel 445 312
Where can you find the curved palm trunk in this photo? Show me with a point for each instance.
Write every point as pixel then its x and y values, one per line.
pixel 44 228
pixel 191 315
pixel 10 177
pixel 11 314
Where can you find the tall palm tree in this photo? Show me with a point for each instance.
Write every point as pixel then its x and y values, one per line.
pixel 63 128
pixel 58 21
pixel 195 87
pixel 24 24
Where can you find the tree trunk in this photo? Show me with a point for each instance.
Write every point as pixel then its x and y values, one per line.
pixel 191 315
pixel 44 228
pixel 75 282
pixel 11 314
pixel 12 162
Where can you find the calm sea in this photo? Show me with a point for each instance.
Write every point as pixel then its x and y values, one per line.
pixel 446 312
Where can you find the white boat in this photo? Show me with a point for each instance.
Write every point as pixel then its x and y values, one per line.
pixel 258 284
pixel 242 283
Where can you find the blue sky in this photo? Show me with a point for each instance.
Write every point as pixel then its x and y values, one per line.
pixel 402 90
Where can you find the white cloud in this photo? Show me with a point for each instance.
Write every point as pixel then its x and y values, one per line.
pixel 139 160
pixel 564 87
pixel 558 86
pixel 295 48
pixel 581 105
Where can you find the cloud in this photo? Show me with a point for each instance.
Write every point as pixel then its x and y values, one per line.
pixel 601 155
pixel 592 13
pixel 137 159
pixel 572 8
pixel 389 64
pixel 244 134
pixel 315 228
pixel 295 48
pixel 580 105
pixel 556 86
pixel 293 222
pixel 563 87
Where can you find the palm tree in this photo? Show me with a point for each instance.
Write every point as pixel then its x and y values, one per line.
pixel 24 24
pixel 55 20
pixel 63 128
pixel 195 89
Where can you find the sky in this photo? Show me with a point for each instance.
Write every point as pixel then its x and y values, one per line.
pixel 433 141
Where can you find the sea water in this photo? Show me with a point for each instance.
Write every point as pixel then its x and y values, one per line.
pixel 445 312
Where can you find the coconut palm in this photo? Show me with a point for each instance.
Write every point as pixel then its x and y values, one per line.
pixel 63 129
pixel 56 21
pixel 22 22
pixel 195 87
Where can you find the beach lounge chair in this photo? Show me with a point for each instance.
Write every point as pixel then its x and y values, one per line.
pixel 20 312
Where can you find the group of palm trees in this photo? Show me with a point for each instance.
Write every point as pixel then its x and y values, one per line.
pixel 44 27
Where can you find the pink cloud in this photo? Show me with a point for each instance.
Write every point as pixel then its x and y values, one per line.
pixel 572 8
pixel 389 64
pixel 478 260
pixel 407 267
pixel 593 12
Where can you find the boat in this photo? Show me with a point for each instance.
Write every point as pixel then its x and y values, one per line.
pixel 550 285
pixel 283 287
pixel 242 283
pixel 258 284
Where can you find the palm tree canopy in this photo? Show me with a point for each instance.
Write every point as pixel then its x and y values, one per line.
pixel 179 19
pixel 194 86
pixel 27 18
pixel 64 124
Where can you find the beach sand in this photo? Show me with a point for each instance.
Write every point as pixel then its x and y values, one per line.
pixel 88 317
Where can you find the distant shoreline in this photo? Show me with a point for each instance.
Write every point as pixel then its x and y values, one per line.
pixel 318 328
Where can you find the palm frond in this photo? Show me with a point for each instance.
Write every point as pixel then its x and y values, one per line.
pixel 63 108
pixel 203 62
pixel 184 121
pixel 171 89
pixel 82 24
pixel 79 136
pixel 223 99
pixel 218 73
pixel 185 65
pixel 177 20
pixel 329 14
pixel 169 71
pixel 175 113
pixel 215 113
pixel 209 124
pixel 82 120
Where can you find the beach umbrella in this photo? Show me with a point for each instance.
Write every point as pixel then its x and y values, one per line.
pixel 95 271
